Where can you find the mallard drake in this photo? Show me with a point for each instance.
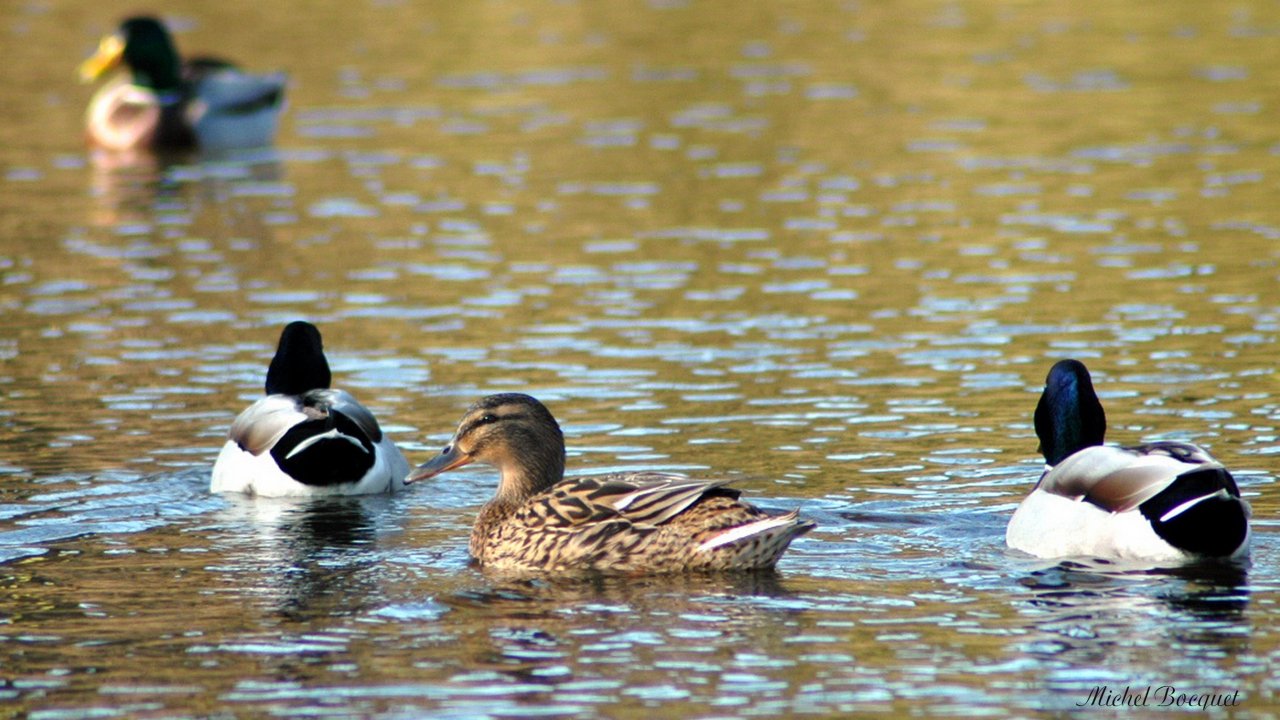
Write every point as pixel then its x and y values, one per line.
pixel 1158 501
pixel 640 522
pixel 163 103
pixel 305 438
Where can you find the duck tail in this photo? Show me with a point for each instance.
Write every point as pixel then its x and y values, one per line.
pixel 759 544
pixel 1201 512
pixel 326 451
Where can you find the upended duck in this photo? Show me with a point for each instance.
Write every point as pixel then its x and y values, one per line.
pixel 165 104
pixel 627 523
pixel 1160 501
pixel 305 438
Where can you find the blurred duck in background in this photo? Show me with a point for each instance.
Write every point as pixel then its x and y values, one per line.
pixel 161 103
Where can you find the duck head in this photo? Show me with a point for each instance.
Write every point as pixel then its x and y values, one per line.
pixel 512 432
pixel 145 47
pixel 1069 416
pixel 299 364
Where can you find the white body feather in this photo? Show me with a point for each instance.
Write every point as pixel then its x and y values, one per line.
pixel 1048 525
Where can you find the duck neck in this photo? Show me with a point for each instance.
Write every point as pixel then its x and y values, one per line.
pixel 529 473
pixel 173 131
pixel 520 482
pixel 165 81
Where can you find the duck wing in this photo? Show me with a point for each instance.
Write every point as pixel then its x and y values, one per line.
pixel 261 427
pixel 648 498
pixel 225 90
pixel 1118 479
pixel 263 423
pixel 342 402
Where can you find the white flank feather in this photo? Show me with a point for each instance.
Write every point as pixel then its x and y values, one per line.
pixel 331 435
pixel 733 535
pixel 1190 504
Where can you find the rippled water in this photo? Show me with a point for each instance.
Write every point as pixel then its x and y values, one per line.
pixel 828 249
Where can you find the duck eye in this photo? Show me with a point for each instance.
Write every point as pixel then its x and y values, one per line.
pixel 488 418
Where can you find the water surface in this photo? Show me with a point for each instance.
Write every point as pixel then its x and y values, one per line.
pixel 827 249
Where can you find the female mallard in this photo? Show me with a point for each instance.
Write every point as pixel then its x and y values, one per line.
pixel 166 104
pixel 1155 502
pixel 304 438
pixel 621 523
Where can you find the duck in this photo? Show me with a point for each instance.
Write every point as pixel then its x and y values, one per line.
pixel 164 104
pixel 1163 501
pixel 305 438
pixel 632 523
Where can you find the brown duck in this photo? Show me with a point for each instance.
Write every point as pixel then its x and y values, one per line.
pixel 643 522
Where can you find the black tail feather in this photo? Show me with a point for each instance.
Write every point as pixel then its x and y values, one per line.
pixel 328 461
pixel 1215 526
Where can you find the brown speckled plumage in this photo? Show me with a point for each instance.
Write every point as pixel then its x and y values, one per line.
pixel 642 522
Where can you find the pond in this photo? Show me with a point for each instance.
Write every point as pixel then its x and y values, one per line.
pixel 828 250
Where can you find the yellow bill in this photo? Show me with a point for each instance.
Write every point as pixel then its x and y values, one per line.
pixel 110 52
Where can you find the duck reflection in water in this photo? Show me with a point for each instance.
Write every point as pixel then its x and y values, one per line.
pixel 1097 614
pixel 306 557
pixel 530 629
pixel 133 190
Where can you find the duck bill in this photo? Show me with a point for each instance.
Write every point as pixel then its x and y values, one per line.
pixel 451 458
pixel 110 52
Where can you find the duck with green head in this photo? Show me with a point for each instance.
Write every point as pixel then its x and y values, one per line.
pixel 305 438
pixel 1157 502
pixel 163 103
